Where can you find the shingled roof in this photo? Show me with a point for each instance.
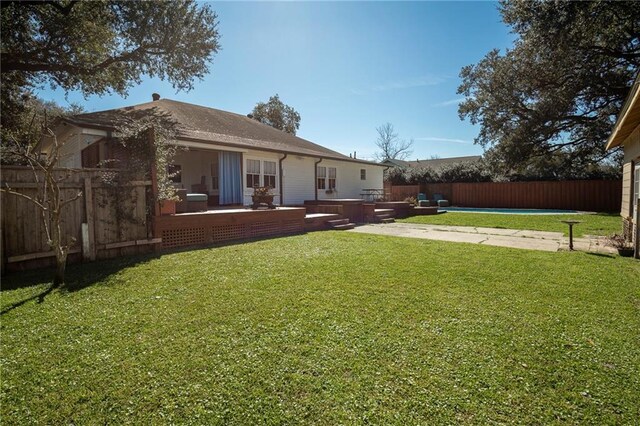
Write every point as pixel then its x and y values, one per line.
pixel 214 126
pixel 435 163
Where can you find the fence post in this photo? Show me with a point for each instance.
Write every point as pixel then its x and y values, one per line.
pixel 90 251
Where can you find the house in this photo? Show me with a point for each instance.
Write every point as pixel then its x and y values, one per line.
pixel 626 133
pixel 434 163
pixel 226 155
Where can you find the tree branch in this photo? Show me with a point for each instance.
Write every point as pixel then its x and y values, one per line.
pixel 8 190
pixel 71 200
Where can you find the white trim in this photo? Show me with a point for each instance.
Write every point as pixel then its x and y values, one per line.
pixel 635 189
pixel 208 146
pixel 632 103
pixel 93 132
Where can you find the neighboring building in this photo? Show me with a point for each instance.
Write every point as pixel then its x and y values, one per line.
pixel 626 134
pixel 436 164
pixel 227 155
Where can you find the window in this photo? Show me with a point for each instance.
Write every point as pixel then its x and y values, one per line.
pixel 332 177
pixel 270 174
pixel 175 173
pixel 322 177
pixel 262 173
pixel 363 174
pixel 253 173
pixel 91 155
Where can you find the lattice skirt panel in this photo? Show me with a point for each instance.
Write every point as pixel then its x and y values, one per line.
pixel 262 229
pixel 183 237
pixel 228 232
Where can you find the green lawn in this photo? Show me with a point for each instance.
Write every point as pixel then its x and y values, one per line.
pixel 593 224
pixel 327 328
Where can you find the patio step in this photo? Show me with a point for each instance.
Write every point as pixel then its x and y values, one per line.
pixel 320 217
pixel 384 211
pixel 337 222
pixel 384 215
pixel 343 226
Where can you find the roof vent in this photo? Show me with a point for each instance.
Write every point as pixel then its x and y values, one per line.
pixel 155 96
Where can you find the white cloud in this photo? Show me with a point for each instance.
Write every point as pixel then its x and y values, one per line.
pixel 449 102
pixel 402 84
pixel 446 140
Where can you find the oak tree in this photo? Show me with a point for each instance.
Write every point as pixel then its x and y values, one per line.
pixel 276 113
pixel 559 89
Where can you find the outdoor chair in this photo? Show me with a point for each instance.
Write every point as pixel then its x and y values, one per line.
pixel 197 202
pixel 422 200
pixel 439 198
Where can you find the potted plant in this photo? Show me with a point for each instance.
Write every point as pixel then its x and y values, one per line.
pixel 167 207
pixel 262 197
pixel 619 242
pixel 412 201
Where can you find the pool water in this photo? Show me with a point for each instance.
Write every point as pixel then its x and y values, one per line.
pixel 506 211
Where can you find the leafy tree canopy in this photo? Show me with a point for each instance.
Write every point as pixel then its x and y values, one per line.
pixel 276 113
pixel 102 46
pixel 558 91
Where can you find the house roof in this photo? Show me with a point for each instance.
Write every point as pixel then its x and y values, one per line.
pixel 629 117
pixel 436 163
pixel 395 163
pixel 209 125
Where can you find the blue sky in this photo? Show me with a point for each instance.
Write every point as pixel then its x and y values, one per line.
pixel 345 67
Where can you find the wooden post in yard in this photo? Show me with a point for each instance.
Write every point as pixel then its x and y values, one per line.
pixel 90 251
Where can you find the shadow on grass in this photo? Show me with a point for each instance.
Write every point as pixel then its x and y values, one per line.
pixel 83 275
pixel 78 276
pixel 608 255
pixel 40 298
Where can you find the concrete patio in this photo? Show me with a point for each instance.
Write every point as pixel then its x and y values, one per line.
pixel 513 238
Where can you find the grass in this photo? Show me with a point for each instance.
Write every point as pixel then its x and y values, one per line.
pixel 592 224
pixel 327 328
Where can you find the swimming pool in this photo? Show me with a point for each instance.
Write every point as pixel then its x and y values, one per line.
pixel 505 211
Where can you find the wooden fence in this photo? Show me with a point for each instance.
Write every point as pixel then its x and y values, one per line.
pixel 400 192
pixel 585 195
pixel 105 222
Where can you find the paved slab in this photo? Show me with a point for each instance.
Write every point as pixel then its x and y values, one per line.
pixel 513 238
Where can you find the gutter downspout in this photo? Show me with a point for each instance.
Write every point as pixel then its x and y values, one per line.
pixel 281 188
pixel 315 176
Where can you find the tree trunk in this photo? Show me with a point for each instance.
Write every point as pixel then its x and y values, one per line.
pixel 60 250
pixel 61 266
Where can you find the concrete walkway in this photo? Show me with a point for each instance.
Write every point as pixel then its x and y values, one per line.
pixel 514 238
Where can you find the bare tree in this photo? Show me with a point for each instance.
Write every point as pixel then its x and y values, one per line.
pixel 49 197
pixel 390 145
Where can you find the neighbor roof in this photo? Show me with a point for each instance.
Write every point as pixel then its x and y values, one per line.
pixel 628 119
pixel 209 125
pixel 434 164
